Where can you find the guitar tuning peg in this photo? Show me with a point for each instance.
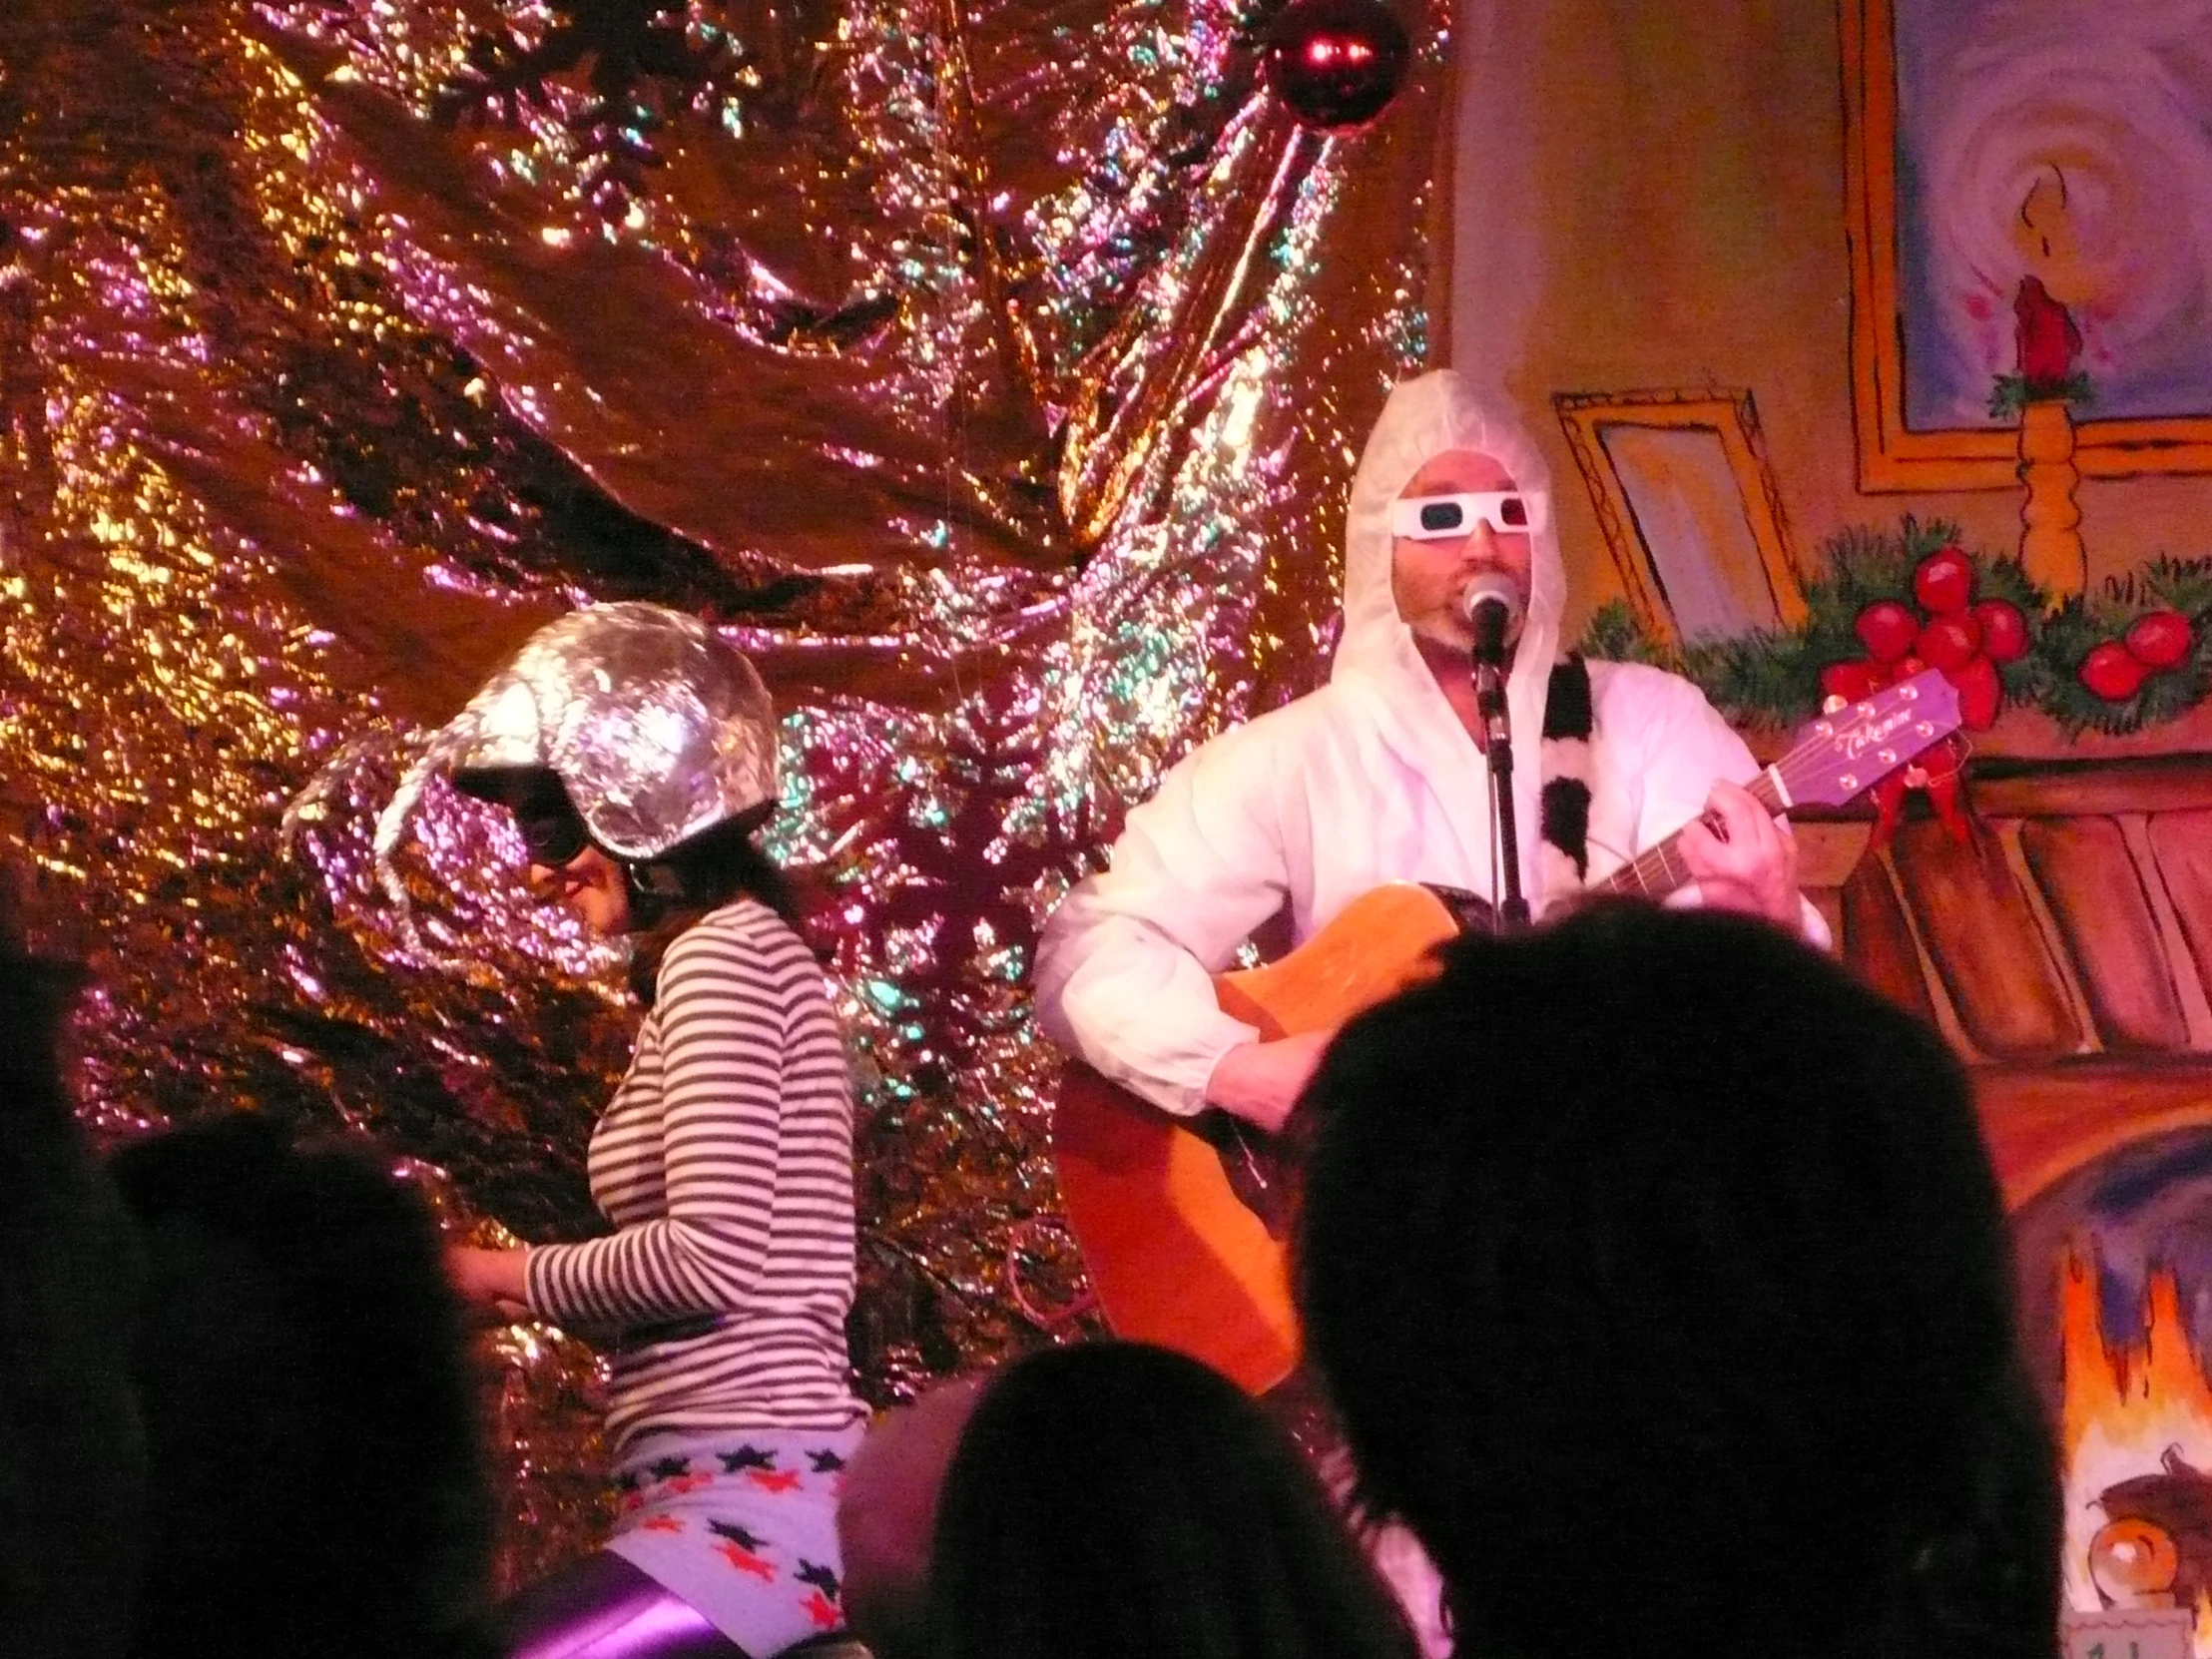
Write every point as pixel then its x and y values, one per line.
pixel 1831 704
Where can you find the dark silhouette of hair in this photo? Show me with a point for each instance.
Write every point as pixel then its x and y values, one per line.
pixel 1118 1502
pixel 72 1460
pixel 714 867
pixel 1658 1272
pixel 318 1488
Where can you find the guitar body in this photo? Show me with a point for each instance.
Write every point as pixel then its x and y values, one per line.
pixel 1177 1248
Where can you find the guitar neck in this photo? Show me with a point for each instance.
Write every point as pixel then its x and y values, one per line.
pixel 1659 870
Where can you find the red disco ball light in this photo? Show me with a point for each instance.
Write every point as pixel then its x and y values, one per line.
pixel 1336 63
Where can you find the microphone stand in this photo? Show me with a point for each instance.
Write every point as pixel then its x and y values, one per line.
pixel 1497 748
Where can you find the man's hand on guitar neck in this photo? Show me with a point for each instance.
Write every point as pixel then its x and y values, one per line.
pixel 1742 858
pixel 1261 1081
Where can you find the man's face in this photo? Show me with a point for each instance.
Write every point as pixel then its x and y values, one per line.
pixel 1428 577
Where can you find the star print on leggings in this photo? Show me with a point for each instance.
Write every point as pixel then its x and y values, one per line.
pixel 736 1534
pixel 741 1549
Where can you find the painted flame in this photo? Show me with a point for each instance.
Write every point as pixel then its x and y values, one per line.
pixel 2124 1406
pixel 2133 1395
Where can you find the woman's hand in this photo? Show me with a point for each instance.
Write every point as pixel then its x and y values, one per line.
pixel 1261 1081
pixel 1751 865
pixel 489 1280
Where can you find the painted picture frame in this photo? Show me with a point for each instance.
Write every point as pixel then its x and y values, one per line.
pixel 1689 507
pixel 2019 190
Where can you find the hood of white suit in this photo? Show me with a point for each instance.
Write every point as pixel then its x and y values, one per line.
pixel 1423 419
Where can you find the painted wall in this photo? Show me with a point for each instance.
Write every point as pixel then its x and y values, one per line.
pixel 1651 194
pixel 1654 196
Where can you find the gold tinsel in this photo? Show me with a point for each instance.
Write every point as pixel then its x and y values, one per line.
pixel 993 373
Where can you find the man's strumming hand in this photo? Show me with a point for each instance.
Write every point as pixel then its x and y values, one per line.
pixel 1261 1081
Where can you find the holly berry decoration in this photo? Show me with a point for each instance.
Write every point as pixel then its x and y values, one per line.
pixel 2112 672
pixel 1980 693
pixel 2133 655
pixel 1336 63
pixel 2003 630
pixel 1949 641
pixel 1943 629
pixel 2159 640
pixel 2155 642
pixel 1944 581
pixel 1938 627
pixel 1853 681
pixel 1886 629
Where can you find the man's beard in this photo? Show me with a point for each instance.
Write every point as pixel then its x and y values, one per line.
pixel 1452 631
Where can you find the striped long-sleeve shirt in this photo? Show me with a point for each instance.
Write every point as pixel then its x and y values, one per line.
pixel 725 1162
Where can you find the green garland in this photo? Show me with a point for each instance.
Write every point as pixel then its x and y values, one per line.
pixel 2081 624
pixel 2010 393
pixel 1773 677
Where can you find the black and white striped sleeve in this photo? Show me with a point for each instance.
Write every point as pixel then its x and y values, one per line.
pixel 724 1015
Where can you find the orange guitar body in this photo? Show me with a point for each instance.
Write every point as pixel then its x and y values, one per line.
pixel 1175 1255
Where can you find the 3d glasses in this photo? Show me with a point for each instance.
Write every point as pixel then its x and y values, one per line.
pixel 1446 517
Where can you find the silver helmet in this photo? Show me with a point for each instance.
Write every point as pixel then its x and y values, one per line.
pixel 658 728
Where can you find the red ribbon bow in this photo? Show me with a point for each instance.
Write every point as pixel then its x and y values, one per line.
pixel 1940 772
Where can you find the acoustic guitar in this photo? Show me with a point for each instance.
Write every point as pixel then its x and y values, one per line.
pixel 1184 1222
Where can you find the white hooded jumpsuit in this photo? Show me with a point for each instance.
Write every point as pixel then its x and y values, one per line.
pixel 1371 779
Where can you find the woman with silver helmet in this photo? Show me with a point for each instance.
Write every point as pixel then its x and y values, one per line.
pixel 637 752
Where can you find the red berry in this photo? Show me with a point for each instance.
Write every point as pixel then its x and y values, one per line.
pixel 2159 639
pixel 2003 630
pixel 1853 681
pixel 1951 641
pixel 2111 672
pixel 1886 629
pixel 1905 668
pixel 1980 693
pixel 1943 583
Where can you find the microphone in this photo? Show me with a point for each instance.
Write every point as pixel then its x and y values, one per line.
pixel 1492 606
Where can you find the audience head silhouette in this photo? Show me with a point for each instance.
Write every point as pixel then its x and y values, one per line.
pixel 72 1460
pixel 1658 1272
pixel 1112 1500
pixel 317 1482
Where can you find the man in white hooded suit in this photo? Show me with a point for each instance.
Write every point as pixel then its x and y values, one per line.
pixel 1378 776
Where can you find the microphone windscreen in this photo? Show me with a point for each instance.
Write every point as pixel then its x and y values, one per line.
pixel 1492 604
pixel 1494 590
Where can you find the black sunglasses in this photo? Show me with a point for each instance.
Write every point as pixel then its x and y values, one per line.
pixel 552 832
pixel 552 836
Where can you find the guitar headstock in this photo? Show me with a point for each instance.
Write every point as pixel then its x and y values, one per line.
pixel 1854 748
